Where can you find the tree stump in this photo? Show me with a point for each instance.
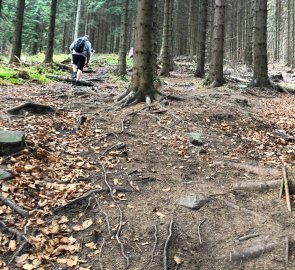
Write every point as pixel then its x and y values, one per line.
pixel 11 142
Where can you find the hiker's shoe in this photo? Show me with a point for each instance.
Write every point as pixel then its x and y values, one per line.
pixel 78 83
pixel 74 75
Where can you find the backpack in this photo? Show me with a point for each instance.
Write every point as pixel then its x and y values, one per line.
pixel 79 45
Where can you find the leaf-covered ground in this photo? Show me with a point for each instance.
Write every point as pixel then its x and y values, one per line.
pixel 101 184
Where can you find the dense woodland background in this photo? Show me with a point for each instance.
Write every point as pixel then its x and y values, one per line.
pixel 101 20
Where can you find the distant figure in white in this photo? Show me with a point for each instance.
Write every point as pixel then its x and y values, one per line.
pixel 130 53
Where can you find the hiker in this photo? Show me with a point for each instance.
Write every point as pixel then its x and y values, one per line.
pixel 81 51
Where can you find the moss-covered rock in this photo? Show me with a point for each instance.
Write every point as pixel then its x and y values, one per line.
pixel 11 142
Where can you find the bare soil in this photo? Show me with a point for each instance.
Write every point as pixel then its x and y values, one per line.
pixel 152 169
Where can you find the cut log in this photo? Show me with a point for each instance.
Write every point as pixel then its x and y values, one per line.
pixel 68 80
pixel 11 142
pixel 31 108
pixel 5 175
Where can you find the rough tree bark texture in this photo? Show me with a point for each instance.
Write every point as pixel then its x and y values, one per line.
pixel 50 44
pixel 249 45
pixel 165 42
pixel 123 38
pixel 201 50
pixel 170 37
pixel 78 16
pixel 191 27
pixel 142 86
pixel 216 67
pixel 260 77
pixel 17 44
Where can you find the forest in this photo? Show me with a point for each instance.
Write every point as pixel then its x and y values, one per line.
pixel 147 134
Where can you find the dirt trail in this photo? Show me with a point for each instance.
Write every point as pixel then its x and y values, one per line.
pixel 146 158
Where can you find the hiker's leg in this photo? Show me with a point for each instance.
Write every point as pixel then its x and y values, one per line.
pixel 79 74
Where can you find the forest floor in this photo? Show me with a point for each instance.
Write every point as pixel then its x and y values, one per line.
pixel 130 168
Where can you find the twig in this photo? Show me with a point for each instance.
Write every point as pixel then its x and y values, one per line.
pixel 15 207
pixel 154 247
pixel 166 244
pixel 287 192
pixel 199 234
pixel 100 252
pixel 249 236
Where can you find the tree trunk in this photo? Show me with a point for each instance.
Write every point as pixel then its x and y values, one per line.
pixel 191 27
pixel 50 44
pixel 165 55
pixel 142 87
pixel 289 53
pixel 260 77
pixel 249 45
pixel 17 44
pixel 78 16
pixel 201 51
pixel 216 69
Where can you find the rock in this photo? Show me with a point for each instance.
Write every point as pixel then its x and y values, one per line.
pixel 196 138
pixel 4 175
pixel 11 142
pixel 193 202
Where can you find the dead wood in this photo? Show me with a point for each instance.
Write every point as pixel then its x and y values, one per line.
pixel 68 80
pixel 252 252
pixel 31 108
pixel 64 67
pixel 249 236
pixel 14 206
pixel 287 192
pixel 236 79
pixel 258 170
pixel 165 252
pixel 115 147
pixel 199 234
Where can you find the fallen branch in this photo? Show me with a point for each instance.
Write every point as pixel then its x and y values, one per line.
pixel 287 192
pixel 259 186
pixel 252 252
pixel 199 234
pixel 165 259
pixel 249 236
pixel 68 80
pixel 154 247
pixel 15 207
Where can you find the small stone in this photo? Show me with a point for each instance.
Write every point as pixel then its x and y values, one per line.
pixel 196 138
pixel 193 202
pixel 11 142
pixel 242 101
pixel 4 175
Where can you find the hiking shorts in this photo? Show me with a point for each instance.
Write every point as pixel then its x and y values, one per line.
pixel 79 60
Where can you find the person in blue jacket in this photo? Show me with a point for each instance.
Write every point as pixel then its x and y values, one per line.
pixel 81 51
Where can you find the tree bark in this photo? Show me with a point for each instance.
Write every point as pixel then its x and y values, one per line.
pixel 201 52
pixel 142 86
pixel 216 70
pixel 260 77
pixel 17 44
pixel 123 38
pixel 249 45
pixel 165 41
pixel 51 31
pixel 78 16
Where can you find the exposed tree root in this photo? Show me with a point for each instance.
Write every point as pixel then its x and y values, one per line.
pixel 132 96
